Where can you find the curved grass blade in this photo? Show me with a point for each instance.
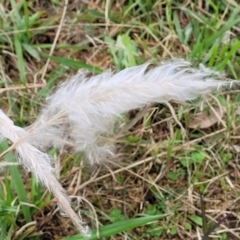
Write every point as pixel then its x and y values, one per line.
pixel 118 227
pixel 74 64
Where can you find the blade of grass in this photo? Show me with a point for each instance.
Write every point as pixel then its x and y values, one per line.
pixel 17 182
pixel 16 18
pixel 20 58
pixel 228 55
pixel 118 227
pixel 3 230
pixel 26 18
pixel 74 64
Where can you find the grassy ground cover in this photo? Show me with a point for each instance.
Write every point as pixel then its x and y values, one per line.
pixel 177 174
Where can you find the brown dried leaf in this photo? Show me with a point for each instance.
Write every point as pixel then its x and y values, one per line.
pixel 204 120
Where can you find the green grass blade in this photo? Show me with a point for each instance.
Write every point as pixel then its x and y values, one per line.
pixel 118 227
pixel 26 18
pixel 32 51
pixel 20 62
pixel 17 183
pixel 228 55
pixel 3 230
pixel 16 18
pixel 15 11
pixel 74 64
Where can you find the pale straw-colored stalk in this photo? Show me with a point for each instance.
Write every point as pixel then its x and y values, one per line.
pixel 39 164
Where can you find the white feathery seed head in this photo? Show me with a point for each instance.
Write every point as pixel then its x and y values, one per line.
pixel 83 111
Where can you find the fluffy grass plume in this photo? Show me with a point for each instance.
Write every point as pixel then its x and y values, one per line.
pixel 83 111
